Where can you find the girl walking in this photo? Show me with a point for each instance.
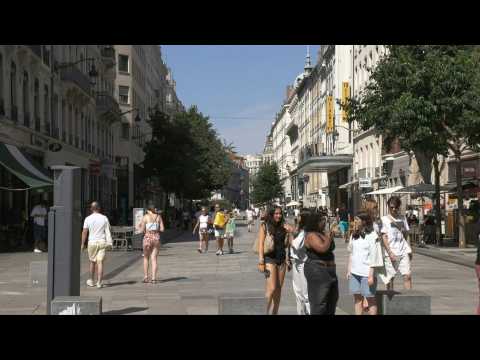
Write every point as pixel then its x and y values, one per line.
pixel 152 226
pixel 230 231
pixel 202 225
pixel 363 247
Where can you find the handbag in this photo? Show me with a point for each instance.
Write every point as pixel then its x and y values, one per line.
pixel 268 244
pixel 376 255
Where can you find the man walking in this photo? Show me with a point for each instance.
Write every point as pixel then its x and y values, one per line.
pixel 343 219
pixel 39 215
pixel 97 229
pixel 219 223
pixel 398 252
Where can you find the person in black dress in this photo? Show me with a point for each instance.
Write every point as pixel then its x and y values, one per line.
pixel 319 269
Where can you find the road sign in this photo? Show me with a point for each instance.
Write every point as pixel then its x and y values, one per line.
pixel 364 183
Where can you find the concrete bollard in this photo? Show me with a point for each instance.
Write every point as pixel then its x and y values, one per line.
pixel 76 305
pixel 38 273
pixel 408 302
pixel 242 305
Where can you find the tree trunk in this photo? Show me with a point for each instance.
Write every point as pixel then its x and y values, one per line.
pixel 460 218
pixel 437 202
pixel 424 162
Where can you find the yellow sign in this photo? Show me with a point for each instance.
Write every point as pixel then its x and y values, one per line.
pixel 345 97
pixel 330 115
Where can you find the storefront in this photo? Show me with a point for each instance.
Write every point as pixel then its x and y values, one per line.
pixel 23 183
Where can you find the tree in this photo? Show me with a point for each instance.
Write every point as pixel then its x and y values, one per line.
pixel 427 97
pixel 267 184
pixel 186 154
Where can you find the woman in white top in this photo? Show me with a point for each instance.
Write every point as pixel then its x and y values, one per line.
pixel 361 272
pixel 202 225
pixel 152 226
pixel 298 255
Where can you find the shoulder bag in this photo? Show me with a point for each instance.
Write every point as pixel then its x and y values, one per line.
pixel 268 244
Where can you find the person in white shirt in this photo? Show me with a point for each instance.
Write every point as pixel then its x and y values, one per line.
pixel 298 255
pixel 398 253
pixel 249 213
pixel 97 229
pixel 202 225
pixel 361 269
pixel 39 214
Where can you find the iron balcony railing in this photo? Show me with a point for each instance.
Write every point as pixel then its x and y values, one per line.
pixel 74 75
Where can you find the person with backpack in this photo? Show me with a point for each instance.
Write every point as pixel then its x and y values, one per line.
pixel 219 222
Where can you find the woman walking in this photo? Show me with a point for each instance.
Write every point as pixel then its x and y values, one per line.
pixel 298 254
pixel 152 226
pixel 319 269
pixel 364 256
pixel 202 225
pixel 273 262
pixel 230 231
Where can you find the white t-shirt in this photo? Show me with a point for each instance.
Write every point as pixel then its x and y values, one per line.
pixel 360 250
pixel 96 225
pixel 298 251
pixel 203 219
pixel 249 214
pixel 397 242
pixel 39 210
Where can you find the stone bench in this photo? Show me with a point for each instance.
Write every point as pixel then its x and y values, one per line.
pixel 38 273
pixel 76 305
pixel 242 305
pixel 407 302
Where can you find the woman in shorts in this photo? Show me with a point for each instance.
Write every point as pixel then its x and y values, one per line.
pixel 202 225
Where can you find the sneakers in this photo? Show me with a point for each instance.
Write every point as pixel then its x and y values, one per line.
pixel 219 252
pixel 90 283
pixel 99 285
pixel 38 251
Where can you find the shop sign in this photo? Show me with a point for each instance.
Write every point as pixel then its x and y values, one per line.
pixel 364 183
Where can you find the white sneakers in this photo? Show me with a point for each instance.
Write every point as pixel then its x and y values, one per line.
pixel 38 251
pixel 91 284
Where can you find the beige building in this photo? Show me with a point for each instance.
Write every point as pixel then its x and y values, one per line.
pixel 60 96
pixel 143 83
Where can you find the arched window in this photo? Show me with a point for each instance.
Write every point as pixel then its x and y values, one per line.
pixel 26 100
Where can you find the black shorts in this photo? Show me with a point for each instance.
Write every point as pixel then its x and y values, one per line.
pixel 277 259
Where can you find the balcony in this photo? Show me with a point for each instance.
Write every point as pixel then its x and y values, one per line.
pixel 107 108
pixel 37 123
pixel 14 114
pixel 2 107
pixel 311 160
pixel 76 77
pixel 26 119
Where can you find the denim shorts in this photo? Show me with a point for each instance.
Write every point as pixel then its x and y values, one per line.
pixel 359 286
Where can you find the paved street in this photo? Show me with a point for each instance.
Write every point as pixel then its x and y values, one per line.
pixel 191 282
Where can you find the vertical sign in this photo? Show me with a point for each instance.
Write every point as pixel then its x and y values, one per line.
pixel 345 97
pixel 330 123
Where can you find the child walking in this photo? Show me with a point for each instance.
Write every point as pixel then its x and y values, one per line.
pixel 230 231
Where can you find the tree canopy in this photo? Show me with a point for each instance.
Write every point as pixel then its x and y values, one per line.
pixel 186 154
pixel 267 184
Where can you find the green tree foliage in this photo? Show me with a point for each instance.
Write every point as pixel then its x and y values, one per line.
pixel 427 97
pixel 267 184
pixel 186 154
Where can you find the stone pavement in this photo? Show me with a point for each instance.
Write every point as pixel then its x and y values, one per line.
pixel 190 283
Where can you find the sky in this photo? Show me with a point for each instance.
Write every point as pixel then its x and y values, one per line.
pixel 228 82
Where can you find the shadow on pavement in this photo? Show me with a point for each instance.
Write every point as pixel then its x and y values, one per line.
pixel 173 279
pixel 121 283
pixel 128 310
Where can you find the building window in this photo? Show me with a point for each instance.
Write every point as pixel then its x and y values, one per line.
pixel 46 117
pixel 123 64
pixel 26 100
pixel 125 131
pixel 123 94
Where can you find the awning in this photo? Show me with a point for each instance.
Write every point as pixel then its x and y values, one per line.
pixel 344 186
pixel 24 167
pixel 385 191
pixel 420 189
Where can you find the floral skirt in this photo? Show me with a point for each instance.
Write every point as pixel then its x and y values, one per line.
pixel 151 241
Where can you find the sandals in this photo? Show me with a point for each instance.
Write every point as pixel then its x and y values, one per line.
pixel 146 280
pixel 153 281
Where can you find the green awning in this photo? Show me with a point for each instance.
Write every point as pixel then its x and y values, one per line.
pixel 24 167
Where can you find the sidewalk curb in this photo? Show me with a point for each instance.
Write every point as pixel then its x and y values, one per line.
pixel 444 257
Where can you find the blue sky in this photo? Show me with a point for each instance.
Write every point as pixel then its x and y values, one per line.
pixel 245 81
